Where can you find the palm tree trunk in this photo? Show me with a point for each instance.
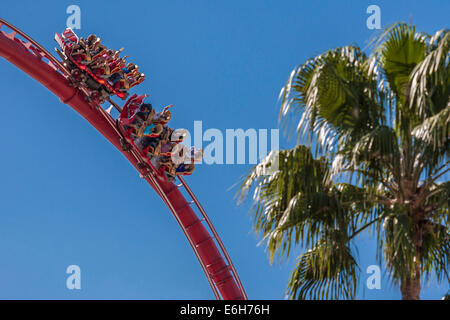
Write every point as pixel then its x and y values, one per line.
pixel 410 288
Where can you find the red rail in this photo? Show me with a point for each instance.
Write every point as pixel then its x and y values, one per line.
pixel 29 56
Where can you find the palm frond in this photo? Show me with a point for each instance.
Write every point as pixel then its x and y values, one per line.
pixel 435 130
pixel 430 79
pixel 328 271
pixel 336 95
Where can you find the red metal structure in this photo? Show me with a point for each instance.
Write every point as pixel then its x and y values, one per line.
pixel 30 57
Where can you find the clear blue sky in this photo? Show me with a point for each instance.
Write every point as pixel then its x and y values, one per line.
pixel 68 197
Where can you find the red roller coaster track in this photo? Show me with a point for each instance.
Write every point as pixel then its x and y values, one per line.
pixel 38 63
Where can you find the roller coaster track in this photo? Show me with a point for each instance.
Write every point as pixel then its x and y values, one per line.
pixel 25 53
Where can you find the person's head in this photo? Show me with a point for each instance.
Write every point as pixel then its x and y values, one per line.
pixel 146 107
pixel 92 38
pixel 167 115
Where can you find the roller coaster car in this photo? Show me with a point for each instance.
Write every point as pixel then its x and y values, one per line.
pixel 165 170
pixel 80 73
pixel 125 121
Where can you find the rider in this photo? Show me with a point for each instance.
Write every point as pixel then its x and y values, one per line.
pixel 164 116
pixel 144 113
pixel 184 168
pixel 149 128
pixel 118 75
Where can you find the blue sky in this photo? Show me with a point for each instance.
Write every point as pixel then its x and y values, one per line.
pixel 68 197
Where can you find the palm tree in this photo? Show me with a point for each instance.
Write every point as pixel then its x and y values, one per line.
pixel 375 155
